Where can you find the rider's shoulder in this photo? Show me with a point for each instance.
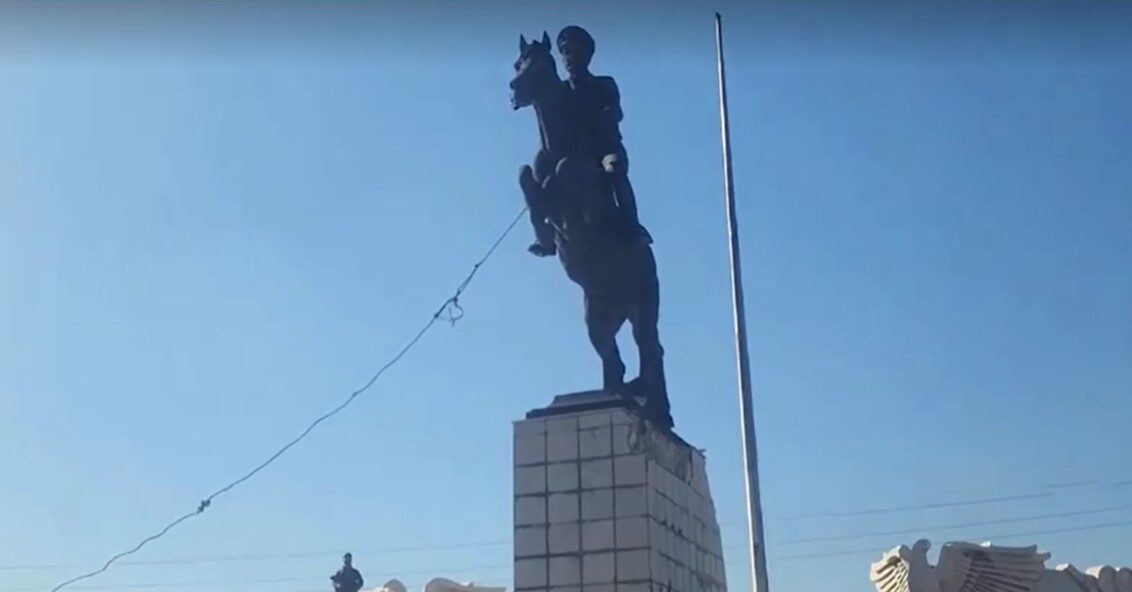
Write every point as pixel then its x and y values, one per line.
pixel 606 81
pixel 606 87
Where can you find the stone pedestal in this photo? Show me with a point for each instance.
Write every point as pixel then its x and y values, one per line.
pixel 604 502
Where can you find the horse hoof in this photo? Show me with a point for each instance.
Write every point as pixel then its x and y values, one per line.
pixel 542 251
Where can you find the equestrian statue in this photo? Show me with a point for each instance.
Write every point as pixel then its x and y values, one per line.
pixel 583 209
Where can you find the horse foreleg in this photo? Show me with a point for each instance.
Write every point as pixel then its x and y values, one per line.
pixel 537 205
pixel 602 322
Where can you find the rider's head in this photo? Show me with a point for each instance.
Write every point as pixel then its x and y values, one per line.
pixel 576 47
pixel 347 559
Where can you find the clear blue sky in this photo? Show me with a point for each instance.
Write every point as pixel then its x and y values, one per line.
pixel 216 222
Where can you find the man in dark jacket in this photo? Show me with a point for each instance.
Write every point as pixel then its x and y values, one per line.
pixel 347 579
pixel 598 109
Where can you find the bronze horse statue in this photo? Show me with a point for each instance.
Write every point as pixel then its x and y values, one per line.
pixel 568 190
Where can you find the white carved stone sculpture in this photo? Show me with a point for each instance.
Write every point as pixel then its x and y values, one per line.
pixel 393 585
pixel 1103 578
pixel 966 567
pixel 962 567
pixel 438 585
pixel 446 585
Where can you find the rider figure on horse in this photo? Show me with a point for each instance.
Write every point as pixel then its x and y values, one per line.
pixel 596 108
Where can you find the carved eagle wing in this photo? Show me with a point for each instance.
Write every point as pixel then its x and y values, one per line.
pixel 890 574
pixel 964 567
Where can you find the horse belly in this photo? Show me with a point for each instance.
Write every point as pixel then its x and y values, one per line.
pixel 606 277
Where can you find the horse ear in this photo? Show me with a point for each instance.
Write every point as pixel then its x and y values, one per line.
pixel 522 43
pixel 546 39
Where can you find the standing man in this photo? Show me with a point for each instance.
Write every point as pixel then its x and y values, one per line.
pixel 347 579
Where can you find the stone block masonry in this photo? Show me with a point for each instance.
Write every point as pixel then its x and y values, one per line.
pixel 606 503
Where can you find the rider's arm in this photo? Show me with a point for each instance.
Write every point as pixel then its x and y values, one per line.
pixel 611 101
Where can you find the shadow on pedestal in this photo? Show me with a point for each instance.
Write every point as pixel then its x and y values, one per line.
pixel 596 400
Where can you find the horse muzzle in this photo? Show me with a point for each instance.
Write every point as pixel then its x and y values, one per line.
pixel 519 100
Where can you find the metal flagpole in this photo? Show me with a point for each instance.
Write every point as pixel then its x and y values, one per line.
pixel 755 539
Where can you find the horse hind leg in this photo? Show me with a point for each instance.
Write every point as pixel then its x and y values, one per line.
pixel 602 322
pixel 645 319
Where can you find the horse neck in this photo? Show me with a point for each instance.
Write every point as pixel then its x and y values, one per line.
pixel 554 130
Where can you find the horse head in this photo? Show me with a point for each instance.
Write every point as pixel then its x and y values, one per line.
pixel 536 74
